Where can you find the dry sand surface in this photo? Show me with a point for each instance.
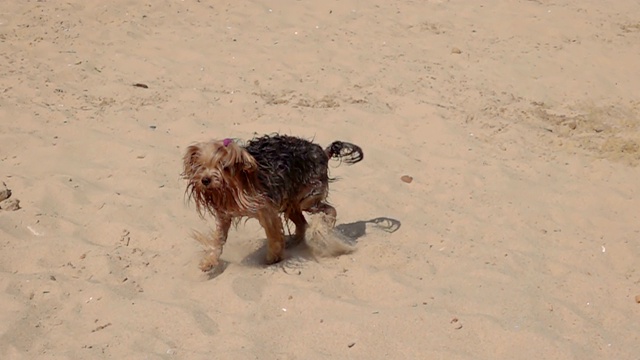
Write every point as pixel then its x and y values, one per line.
pixel 518 238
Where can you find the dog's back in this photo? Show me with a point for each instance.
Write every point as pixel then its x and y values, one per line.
pixel 288 164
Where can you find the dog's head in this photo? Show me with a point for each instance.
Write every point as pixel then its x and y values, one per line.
pixel 221 176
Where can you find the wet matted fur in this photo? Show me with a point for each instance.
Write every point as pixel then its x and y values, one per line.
pixel 265 178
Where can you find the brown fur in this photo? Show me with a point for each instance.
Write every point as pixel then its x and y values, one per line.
pixel 232 172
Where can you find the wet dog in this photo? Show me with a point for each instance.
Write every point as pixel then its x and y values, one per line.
pixel 266 178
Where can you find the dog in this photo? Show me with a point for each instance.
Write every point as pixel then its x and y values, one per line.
pixel 269 178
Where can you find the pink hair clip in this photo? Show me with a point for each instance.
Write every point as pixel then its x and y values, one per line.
pixel 226 142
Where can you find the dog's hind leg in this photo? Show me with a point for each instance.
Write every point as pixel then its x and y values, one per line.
pixel 301 225
pixel 272 225
pixel 316 204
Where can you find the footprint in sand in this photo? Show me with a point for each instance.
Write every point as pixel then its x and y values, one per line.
pixel 249 289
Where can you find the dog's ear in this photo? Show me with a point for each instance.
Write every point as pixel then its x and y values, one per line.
pixel 190 160
pixel 248 162
pixel 239 159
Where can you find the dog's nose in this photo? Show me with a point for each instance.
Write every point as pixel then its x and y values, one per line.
pixel 206 181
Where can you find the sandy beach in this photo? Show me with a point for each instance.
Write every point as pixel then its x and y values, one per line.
pixel 518 121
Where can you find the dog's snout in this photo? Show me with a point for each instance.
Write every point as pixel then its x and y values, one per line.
pixel 206 181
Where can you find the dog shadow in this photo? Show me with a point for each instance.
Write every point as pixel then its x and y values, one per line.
pixel 299 253
pixel 355 230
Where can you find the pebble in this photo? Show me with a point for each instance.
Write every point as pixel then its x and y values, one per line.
pixel 406 178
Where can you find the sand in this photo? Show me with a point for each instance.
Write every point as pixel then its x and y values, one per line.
pixel 518 122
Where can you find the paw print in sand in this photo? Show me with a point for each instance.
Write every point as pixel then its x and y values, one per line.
pixel 5 202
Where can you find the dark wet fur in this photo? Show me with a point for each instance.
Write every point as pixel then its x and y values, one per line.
pixel 287 164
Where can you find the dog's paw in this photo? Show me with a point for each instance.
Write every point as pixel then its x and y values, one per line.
pixel 274 258
pixel 210 261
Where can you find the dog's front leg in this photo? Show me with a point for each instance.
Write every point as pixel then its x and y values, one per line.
pixel 272 225
pixel 301 225
pixel 215 243
pixel 223 224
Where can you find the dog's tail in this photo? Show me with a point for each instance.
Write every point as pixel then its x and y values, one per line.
pixel 344 151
